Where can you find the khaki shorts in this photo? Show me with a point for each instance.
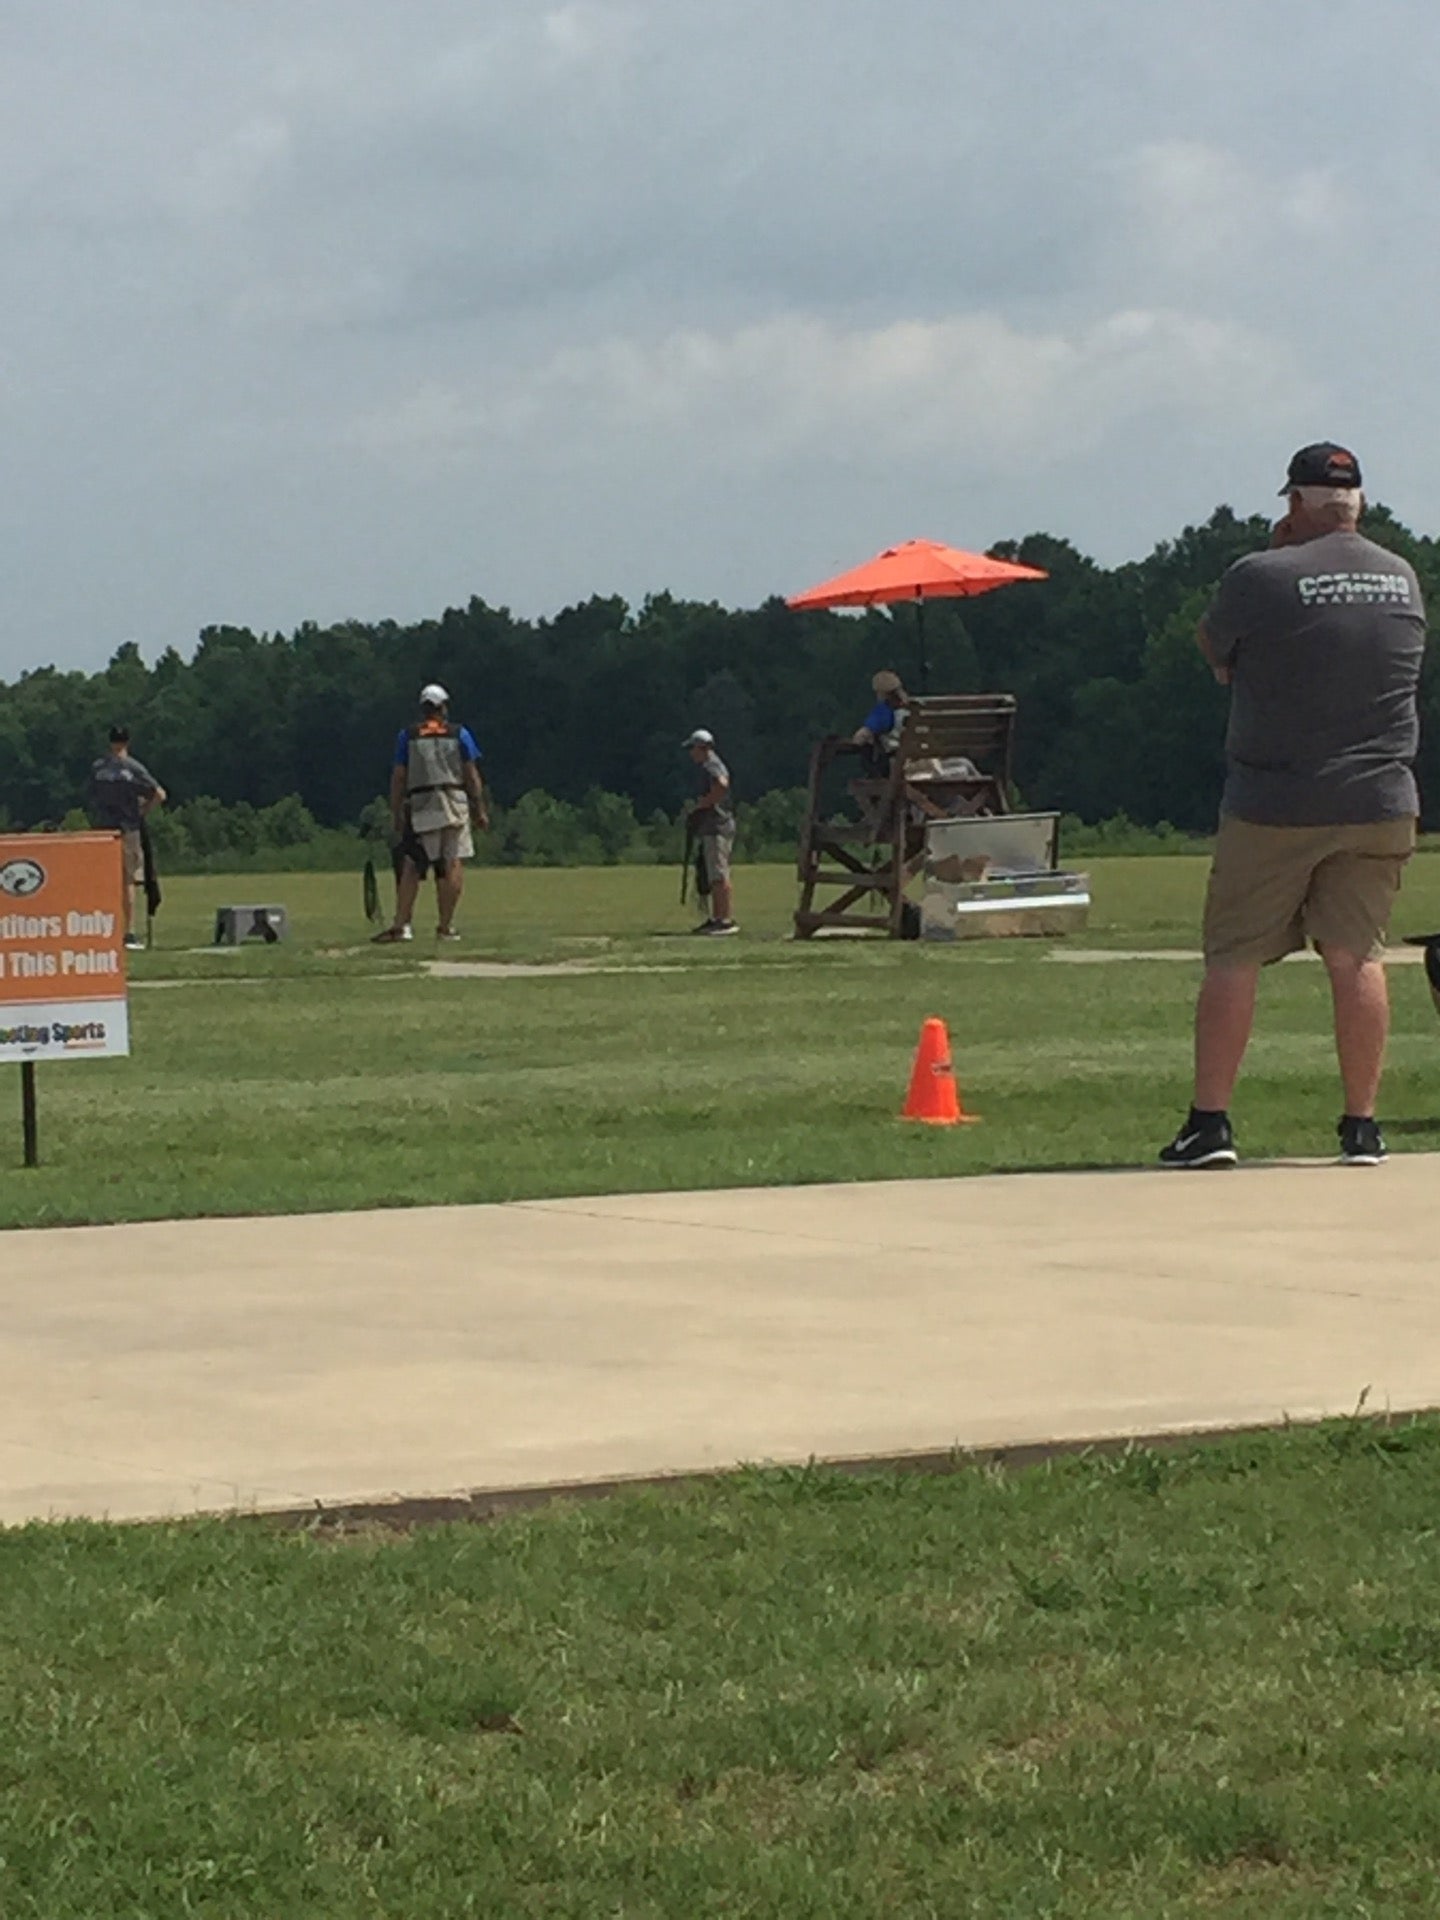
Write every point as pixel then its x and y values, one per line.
pixel 132 857
pixel 715 851
pixel 445 844
pixel 1273 888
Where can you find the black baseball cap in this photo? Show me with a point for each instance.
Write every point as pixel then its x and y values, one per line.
pixel 1323 465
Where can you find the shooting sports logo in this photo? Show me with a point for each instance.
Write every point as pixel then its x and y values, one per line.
pixel 21 878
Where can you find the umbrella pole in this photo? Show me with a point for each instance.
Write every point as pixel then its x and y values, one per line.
pixel 920 640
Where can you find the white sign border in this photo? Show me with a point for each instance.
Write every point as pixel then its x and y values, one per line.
pixel 45 1016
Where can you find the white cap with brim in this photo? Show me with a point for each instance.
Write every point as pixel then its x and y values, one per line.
pixel 434 695
pixel 701 737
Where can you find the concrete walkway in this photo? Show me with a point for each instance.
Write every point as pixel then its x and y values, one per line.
pixel 274 1363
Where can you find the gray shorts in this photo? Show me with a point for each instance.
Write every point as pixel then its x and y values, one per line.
pixel 132 856
pixel 715 851
pixel 443 845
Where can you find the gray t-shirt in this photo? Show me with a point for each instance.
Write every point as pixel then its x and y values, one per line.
pixel 1324 643
pixel 118 783
pixel 721 817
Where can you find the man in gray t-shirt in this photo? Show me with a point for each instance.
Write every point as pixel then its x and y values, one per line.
pixel 1320 642
pixel 1321 645
pixel 122 792
pixel 712 823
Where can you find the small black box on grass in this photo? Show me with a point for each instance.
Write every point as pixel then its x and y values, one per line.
pixel 235 925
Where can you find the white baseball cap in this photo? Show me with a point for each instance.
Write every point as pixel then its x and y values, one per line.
pixel 434 695
pixel 701 737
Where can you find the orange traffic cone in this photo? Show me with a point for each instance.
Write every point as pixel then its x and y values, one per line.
pixel 934 1096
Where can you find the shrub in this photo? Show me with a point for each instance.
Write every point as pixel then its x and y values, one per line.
pixel 288 823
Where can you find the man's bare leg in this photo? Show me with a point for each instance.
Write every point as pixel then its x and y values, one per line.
pixel 1224 1015
pixel 406 888
pixel 722 900
pixel 1362 1025
pixel 449 884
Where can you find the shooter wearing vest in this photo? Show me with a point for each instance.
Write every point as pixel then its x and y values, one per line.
pixel 436 794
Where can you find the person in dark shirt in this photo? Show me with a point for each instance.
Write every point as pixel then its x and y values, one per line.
pixel 1320 642
pixel 122 792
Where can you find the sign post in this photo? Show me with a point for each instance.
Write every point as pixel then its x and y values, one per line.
pixel 28 1120
pixel 62 957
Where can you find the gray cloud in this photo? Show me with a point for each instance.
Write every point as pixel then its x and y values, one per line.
pixel 355 309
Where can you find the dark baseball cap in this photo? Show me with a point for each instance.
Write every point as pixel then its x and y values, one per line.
pixel 1323 465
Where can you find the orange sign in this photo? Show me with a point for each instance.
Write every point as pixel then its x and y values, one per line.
pixel 62 957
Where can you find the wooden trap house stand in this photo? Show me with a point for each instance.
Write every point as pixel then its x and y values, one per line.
pixel 62 958
pixel 875 824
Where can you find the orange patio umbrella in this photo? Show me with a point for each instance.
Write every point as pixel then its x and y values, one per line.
pixel 917 570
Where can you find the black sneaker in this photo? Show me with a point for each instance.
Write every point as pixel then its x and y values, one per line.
pixel 719 928
pixel 705 926
pixel 1207 1144
pixel 1361 1142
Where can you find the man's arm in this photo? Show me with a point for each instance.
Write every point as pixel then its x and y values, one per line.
pixel 397 800
pixel 475 790
pixel 1236 611
pixel 1220 668
pixel 713 796
pixel 1283 534
pixel 474 783
pixel 151 793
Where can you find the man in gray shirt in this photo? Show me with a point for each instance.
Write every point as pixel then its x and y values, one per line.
pixel 1320 642
pixel 712 822
pixel 122 792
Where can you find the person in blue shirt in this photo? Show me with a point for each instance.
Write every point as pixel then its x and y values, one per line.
pixel 436 796
pixel 879 733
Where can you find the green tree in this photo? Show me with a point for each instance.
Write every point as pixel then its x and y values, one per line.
pixel 205 823
pixel 541 831
pixel 609 820
pixel 286 823
pixel 1115 712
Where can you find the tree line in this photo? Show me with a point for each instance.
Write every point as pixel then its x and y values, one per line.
pixel 203 835
pixel 1117 713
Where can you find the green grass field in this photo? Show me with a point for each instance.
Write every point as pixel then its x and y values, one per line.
pixel 1148 1687
pixel 325 1073
pixel 1157 1687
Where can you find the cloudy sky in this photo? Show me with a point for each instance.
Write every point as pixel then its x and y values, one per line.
pixel 328 308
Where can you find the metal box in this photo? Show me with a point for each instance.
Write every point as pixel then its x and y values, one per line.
pixel 995 875
pixel 235 925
